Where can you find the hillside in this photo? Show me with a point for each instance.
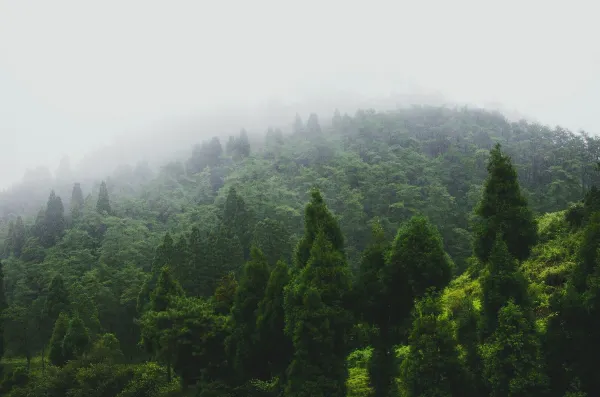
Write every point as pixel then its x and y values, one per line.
pixel 214 276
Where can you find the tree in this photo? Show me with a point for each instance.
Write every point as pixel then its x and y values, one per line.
pixel 56 302
pixel 318 323
pixel 317 218
pixel 243 144
pixel 76 339
pixel 503 210
pixel 238 219
pixel 298 125
pixel 54 220
pixel 103 204
pixel 512 359
pixel 313 127
pixel 270 322
pixel 19 237
pixel 273 239
pixel 55 350
pixel 501 282
pixel 77 201
pixel 246 354
pixel 165 255
pixel 166 289
pixel 432 366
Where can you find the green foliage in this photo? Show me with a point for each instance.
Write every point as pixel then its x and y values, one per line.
pixel 55 350
pixel 512 360
pixel 103 204
pixel 432 366
pixel 245 351
pixel 54 221
pixel 76 339
pixel 270 322
pixel 77 201
pixel 318 218
pixel 503 210
pixel 318 322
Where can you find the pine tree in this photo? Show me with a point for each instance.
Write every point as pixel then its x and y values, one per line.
pixel 54 220
pixel 166 289
pixel 503 210
pixel 57 299
pixel 317 217
pixel 372 308
pixel 313 128
pixel 246 354
pixel 501 282
pixel 243 144
pixel 76 339
pixel 165 254
pixel 432 367
pixel 9 240
pixel 318 323
pixel 270 322
pixel 19 237
pixel 55 350
pixel 273 239
pixel 103 205
pixel 298 125
pixel 237 219
pixel 512 360
pixel 77 201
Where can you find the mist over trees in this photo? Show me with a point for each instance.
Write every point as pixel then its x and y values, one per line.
pixel 422 251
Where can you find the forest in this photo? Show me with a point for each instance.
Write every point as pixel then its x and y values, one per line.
pixel 426 251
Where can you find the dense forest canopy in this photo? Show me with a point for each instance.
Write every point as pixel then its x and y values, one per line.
pixel 425 251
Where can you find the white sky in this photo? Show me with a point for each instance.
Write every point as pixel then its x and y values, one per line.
pixel 75 74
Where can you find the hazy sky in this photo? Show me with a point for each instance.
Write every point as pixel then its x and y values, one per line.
pixel 75 74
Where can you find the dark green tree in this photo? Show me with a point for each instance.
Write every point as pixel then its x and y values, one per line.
pixel 318 323
pixel 246 353
pixel 501 281
pixel 318 218
pixel 103 204
pixel 238 219
pixel 56 302
pixel 76 339
pixel 270 322
pixel 512 361
pixel 165 255
pixel 432 366
pixel 225 293
pixel 54 220
pixel 273 239
pixel 77 201
pixel 503 210
pixel 55 350
pixel 166 289
pixel 19 237
pixel 243 144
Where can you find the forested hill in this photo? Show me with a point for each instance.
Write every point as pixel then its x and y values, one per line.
pixel 214 276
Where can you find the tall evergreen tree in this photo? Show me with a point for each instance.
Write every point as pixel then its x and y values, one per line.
pixel 103 204
pixel 318 323
pixel 19 237
pixel 270 322
pixel 54 220
pixel 503 210
pixel 77 201
pixel 501 282
pixel 165 254
pixel 243 144
pixel 313 127
pixel 166 289
pixel 318 218
pixel 55 350
pixel 245 352
pixel 298 125
pixel 432 367
pixel 237 218
pixel 273 239
pixel 56 302
pixel 76 339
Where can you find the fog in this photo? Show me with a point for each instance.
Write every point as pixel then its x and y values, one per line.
pixel 144 78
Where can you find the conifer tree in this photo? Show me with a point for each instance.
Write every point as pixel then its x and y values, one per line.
pixel 512 360
pixel 77 201
pixel 313 127
pixel 8 241
pixel 166 289
pixel 19 237
pixel 237 219
pixel 103 204
pixel 76 339
pixel 54 220
pixel 273 239
pixel 270 322
pixel 246 354
pixel 318 218
pixel 165 254
pixel 432 367
pixel 318 323
pixel 55 350
pixel 298 125
pixel 501 282
pixel 243 144
pixel 503 210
